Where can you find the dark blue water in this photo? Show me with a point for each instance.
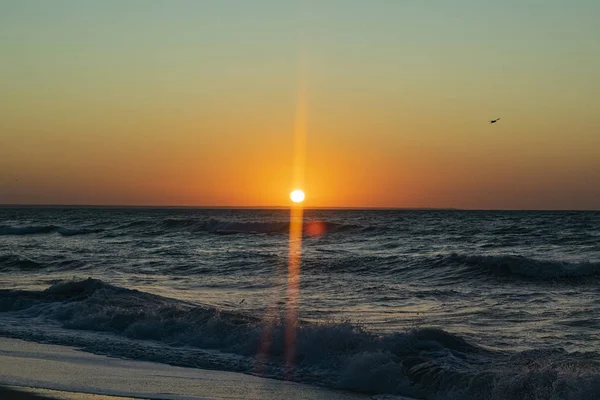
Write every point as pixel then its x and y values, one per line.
pixel 429 304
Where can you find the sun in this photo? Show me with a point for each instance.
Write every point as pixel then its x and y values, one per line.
pixel 297 196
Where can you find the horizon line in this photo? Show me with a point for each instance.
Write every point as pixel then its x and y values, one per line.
pixel 206 207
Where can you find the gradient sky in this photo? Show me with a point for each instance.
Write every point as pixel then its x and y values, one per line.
pixel 195 102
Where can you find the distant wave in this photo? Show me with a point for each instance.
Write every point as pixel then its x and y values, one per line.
pixel 43 229
pixel 423 363
pixel 527 267
pixel 223 227
pixel 211 226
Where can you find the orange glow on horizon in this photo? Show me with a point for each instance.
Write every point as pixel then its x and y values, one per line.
pixel 148 120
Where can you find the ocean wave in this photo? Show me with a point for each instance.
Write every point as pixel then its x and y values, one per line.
pixel 17 263
pixel 526 267
pixel 26 230
pixel 224 227
pixel 423 363
pixel 13 262
pixel 454 266
pixel 43 229
pixel 74 232
pixel 192 225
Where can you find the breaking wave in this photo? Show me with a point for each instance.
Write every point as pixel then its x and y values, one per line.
pixel 425 363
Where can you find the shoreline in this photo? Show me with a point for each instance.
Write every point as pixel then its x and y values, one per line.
pixel 18 393
pixel 32 393
pixel 35 371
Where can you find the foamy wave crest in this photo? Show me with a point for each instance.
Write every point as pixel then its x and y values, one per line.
pixel 423 363
pixel 43 229
pixel 528 267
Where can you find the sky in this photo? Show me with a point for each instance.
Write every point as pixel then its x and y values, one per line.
pixel 200 103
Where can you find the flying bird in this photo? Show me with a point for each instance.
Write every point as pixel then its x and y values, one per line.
pixel 494 121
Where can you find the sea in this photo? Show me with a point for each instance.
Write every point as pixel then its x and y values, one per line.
pixel 428 304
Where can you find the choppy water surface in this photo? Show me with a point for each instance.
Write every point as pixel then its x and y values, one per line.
pixel 430 304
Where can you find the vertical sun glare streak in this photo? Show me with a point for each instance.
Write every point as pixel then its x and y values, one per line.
pixel 294 260
pixel 295 245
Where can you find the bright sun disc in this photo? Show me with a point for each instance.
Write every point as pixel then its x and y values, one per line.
pixel 297 196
